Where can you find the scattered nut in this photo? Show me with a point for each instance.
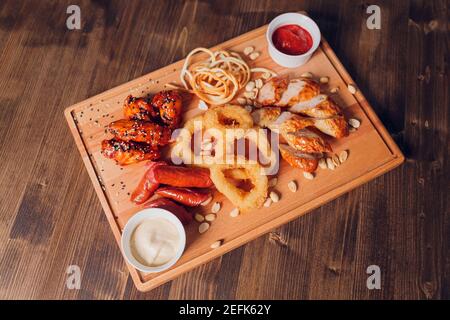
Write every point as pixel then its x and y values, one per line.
pixel 254 55
pixel 202 105
pixel 274 196
pixel 248 50
pixel 324 80
pixel 199 217
pixel 343 156
pixel 210 217
pixel 258 83
pixel 203 227
pixel 322 163
pixel 273 182
pixel 250 94
pixel 216 244
pixel 268 202
pixel 234 213
pixel 307 75
pixel 308 175
pixel 241 101
pixel 250 86
pixel 330 164
pixel 206 202
pixel 351 88
pixel 215 207
pixel 292 185
pixel 334 90
pixel 335 160
pixel 355 123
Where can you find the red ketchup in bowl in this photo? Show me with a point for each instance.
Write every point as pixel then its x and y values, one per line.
pixel 292 39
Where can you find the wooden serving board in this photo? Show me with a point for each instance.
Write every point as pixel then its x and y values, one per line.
pixel 372 152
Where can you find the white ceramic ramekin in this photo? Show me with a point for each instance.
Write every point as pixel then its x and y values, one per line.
pixel 290 61
pixel 131 225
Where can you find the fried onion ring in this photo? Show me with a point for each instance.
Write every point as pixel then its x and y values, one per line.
pixel 244 200
pixel 228 117
pixel 195 129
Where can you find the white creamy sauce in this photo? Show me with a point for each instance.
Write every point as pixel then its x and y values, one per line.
pixel 155 242
pixel 294 88
pixel 308 104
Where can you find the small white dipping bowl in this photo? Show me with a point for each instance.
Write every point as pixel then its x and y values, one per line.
pixel 132 224
pixel 286 60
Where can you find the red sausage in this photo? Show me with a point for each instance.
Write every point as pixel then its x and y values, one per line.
pixel 183 177
pixel 163 203
pixel 186 196
pixel 148 185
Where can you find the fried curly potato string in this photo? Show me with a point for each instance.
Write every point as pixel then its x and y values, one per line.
pixel 218 78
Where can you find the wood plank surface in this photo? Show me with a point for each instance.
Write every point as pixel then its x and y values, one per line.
pixel 50 216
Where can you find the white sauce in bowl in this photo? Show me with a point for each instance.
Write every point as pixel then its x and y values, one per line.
pixel 155 242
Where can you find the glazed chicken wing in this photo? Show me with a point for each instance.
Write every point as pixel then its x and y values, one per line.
pixel 138 109
pixel 139 131
pixel 128 152
pixel 168 104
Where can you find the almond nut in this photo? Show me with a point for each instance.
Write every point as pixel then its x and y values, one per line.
pixel 215 207
pixel 254 55
pixel 292 185
pixel 248 50
pixel 334 90
pixel 330 164
pixel 343 156
pixel 216 244
pixel 308 175
pixel 268 202
pixel 351 88
pixel 203 227
pixel 274 196
pixel 324 80
pixel 234 213
pixel 355 123
pixel 335 160
pixel 199 217
pixel 322 163
pixel 307 75
pixel 258 83
pixel 250 86
pixel 210 217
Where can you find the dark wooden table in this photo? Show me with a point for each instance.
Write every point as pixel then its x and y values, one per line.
pixel 50 217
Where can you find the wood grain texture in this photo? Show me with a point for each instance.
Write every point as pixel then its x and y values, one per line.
pixel 50 217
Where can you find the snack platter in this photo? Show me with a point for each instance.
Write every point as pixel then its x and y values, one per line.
pixel 372 152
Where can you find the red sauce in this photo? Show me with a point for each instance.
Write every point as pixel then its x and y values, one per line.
pixel 292 39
